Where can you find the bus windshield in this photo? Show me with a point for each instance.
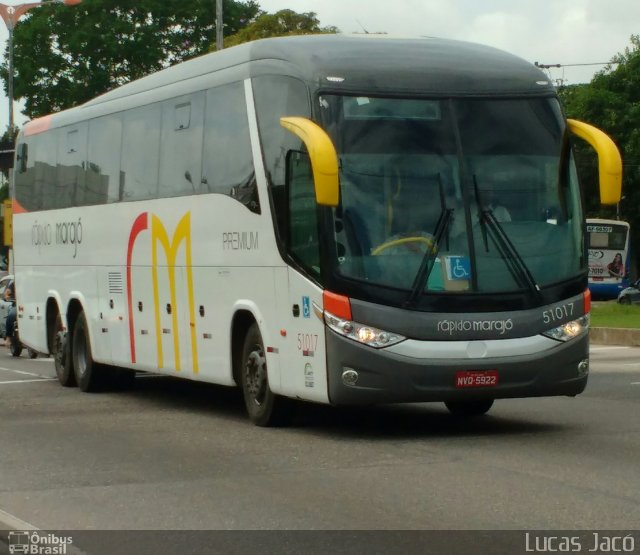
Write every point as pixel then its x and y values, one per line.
pixel 454 195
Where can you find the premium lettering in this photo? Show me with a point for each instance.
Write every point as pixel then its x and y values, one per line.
pixel 240 240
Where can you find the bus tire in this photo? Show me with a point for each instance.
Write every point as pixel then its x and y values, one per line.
pixel 62 359
pixel 469 408
pixel 263 406
pixel 88 373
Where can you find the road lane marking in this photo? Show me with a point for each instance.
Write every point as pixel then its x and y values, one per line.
pixel 635 383
pixel 27 381
pixel 597 348
pixel 12 522
pixel 22 372
pixel 603 371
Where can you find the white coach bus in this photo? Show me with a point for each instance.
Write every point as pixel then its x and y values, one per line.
pixel 343 220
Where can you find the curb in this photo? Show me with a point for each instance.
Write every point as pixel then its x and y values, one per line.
pixel 615 336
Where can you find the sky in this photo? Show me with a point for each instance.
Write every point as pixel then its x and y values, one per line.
pixel 546 31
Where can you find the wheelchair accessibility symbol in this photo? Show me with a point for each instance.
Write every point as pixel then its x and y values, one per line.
pixel 458 268
pixel 306 307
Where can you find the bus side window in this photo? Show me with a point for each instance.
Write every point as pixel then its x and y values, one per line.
pixel 227 162
pixel 71 172
pixel 24 175
pixel 22 157
pixel 104 181
pixel 141 152
pixel 181 146
pixel 277 96
pixel 302 236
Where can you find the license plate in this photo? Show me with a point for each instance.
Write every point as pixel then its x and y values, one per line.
pixel 477 378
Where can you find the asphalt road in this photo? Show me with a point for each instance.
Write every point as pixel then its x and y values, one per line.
pixel 175 455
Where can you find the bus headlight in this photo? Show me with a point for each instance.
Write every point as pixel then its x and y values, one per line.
pixel 368 335
pixel 569 330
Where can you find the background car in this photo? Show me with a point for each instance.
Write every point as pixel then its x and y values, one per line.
pixel 630 295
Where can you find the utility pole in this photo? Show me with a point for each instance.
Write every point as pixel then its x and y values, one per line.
pixel 219 25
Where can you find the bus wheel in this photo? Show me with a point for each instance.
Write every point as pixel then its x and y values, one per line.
pixel 264 408
pixel 62 357
pixel 469 408
pixel 88 373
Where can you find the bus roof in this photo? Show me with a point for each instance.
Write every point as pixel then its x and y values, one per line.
pixel 421 64
pixel 359 64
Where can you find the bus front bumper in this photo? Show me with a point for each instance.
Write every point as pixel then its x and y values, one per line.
pixel 401 374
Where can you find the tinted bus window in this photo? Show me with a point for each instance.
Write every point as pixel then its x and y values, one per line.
pixel 103 171
pixel 227 166
pixel 303 241
pixel 25 175
pixel 141 152
pixel 72 154
pixel 275 97
pixel 45 188
pixel 181 146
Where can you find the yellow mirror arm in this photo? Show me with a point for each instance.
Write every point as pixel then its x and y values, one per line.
pixel 609 161
pixel 324 159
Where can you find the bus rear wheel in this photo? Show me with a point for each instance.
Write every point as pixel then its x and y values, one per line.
pixel 88 374
pixel 469 408
pixel 62 356
pixel 264 408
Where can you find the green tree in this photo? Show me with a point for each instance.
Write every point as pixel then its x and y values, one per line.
pixel 280 24
pixel 9 134
pixel 612 102
pixel 598 107
pixel 64 56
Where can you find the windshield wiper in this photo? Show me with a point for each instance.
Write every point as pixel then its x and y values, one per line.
pixel 428 260
pixel 507 249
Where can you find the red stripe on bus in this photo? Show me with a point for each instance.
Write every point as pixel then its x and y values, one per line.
pixel 587 301
pixel 36 126
pixel 138 226
pixel 17 208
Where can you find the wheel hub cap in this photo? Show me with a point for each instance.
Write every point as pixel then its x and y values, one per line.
pixel 256 375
